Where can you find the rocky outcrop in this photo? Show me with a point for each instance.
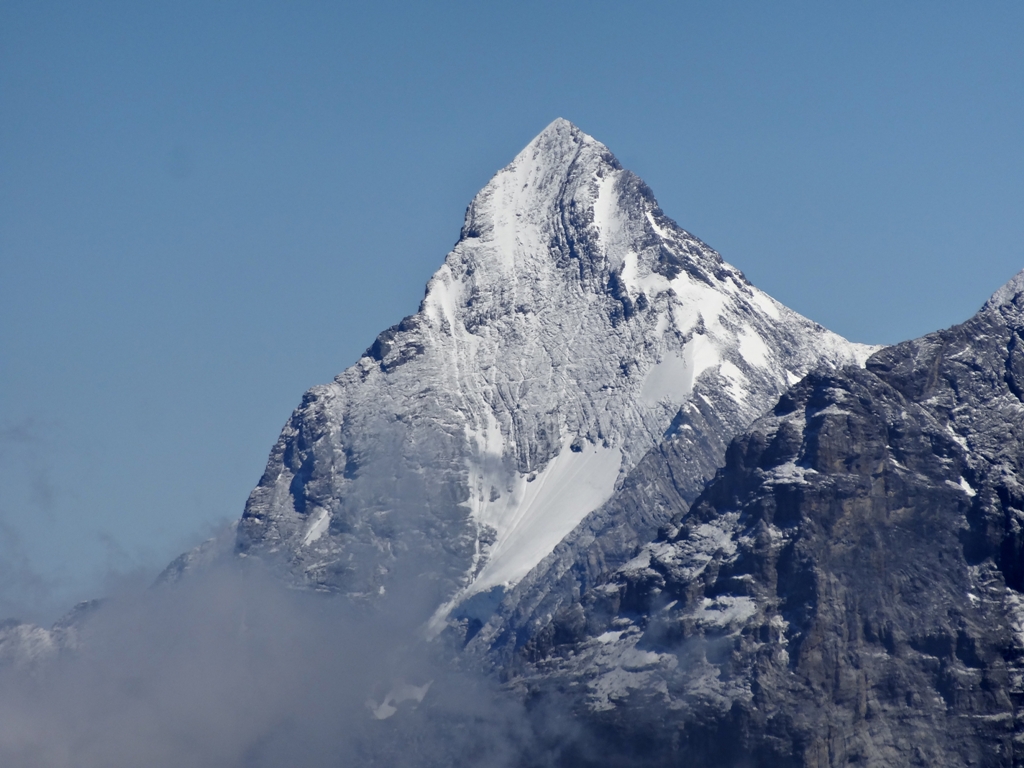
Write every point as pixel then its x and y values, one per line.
pixel 846 591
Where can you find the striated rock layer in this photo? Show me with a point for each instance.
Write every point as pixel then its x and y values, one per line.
pixel 571 329
pixel 846 591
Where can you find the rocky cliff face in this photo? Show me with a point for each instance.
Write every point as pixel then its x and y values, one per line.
pixel 571 328
pixel 846 591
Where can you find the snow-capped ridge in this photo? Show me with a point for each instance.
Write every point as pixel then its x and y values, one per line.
pixel 1008 293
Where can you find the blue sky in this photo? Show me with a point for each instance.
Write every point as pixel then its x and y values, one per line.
pixel 206 208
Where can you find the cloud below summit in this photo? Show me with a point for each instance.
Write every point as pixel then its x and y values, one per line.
pixel 229 668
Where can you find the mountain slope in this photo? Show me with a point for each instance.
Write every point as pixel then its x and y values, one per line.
pixel 570 328
pixel 847 590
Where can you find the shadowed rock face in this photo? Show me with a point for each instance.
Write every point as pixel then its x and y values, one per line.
pixel 846 591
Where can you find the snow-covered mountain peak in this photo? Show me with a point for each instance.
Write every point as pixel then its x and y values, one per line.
pixel 548 157
pixel 559 170
pixel 561 340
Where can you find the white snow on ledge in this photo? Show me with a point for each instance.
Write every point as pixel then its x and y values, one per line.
pixel 546 509
pixel 317 529
pixel 535 516
pixel 402 692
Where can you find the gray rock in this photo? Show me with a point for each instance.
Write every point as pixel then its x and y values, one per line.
pixel 846 591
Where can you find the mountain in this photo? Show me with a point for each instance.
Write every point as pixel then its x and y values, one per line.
pixel 572 330
pixel 847 590
pixel 670 521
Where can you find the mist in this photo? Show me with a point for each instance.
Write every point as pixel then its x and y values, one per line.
pixel 230 667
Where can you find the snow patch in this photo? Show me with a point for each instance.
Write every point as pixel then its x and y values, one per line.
pixel 608 215
pixel 726 610
pixel 531 519
pixel 443 295
pixel 962 442
pixel 737 381
pixel 670 379
pixel 831 410
pixel 539 514
pixel 696 301
pixel 702 354
pixel 640 562
pixel 629 274
pixel 400 693
pixel 766 304
pixel 664 234
pixel 753 349
pixel 790 474
pixel 318 527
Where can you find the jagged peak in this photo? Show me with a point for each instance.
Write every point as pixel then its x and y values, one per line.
pixel 560 137
pixel 560 126
pixel 1008 293
pixel 551 168
pixel 561 145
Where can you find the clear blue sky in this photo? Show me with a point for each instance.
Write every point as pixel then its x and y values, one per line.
pixel 206 208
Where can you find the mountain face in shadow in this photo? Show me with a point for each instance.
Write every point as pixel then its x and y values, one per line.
pixel 845 591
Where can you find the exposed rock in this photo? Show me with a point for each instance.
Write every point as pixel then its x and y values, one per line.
pixel 846 591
